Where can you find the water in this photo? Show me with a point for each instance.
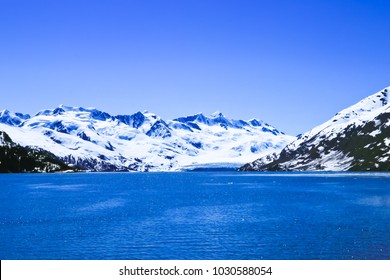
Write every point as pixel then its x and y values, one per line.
pixel 195 215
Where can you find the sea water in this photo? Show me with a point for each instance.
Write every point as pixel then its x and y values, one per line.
pixel 195 215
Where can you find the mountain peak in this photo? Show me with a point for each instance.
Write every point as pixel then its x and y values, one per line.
pixel 135 120
pixel 13 119
pixel 66 108
pixel 217 114
pixel 149 114
pixel 255 122
pixel 4 112
pixel 368 104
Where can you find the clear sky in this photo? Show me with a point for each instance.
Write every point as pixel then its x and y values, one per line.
pixel 293 64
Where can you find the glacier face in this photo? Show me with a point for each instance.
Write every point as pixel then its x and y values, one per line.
pixel 356 139
pixel 97 141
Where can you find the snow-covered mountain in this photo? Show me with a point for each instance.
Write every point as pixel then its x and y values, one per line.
pixel 15 158
pixel 355 139
pixel 97 141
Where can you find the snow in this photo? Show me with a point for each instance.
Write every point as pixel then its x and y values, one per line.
pixel 375 133
pixel 384 159
pixel 333 161
pixel 361 113
pixel 92 134
pixel 364 111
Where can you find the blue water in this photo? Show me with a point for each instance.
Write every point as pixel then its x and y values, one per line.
pixel 195 215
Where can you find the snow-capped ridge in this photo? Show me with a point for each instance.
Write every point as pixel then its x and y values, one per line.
pixel 217 114
pixel 369 104
pixel 354 139
pixel 14 119
pixel 135 120
pixel 357 114
pixel 4 112
pixel 200 118
pixel 255 122
pixel 221 120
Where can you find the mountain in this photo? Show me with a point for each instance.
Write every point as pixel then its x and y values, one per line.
pixel 15 158
pixel 12 119
pixel 94 140
pixel 355 139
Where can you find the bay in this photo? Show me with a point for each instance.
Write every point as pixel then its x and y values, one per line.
pixel 195 215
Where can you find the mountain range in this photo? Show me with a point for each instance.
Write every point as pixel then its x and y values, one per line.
pixel 76 138
pixel 355 139
pixel 93 140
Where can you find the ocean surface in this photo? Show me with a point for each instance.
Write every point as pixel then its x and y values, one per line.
pixel 195 215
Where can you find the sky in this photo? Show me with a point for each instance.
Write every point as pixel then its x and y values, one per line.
pixel 293 64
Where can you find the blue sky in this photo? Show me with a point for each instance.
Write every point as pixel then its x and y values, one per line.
pixel 293 64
